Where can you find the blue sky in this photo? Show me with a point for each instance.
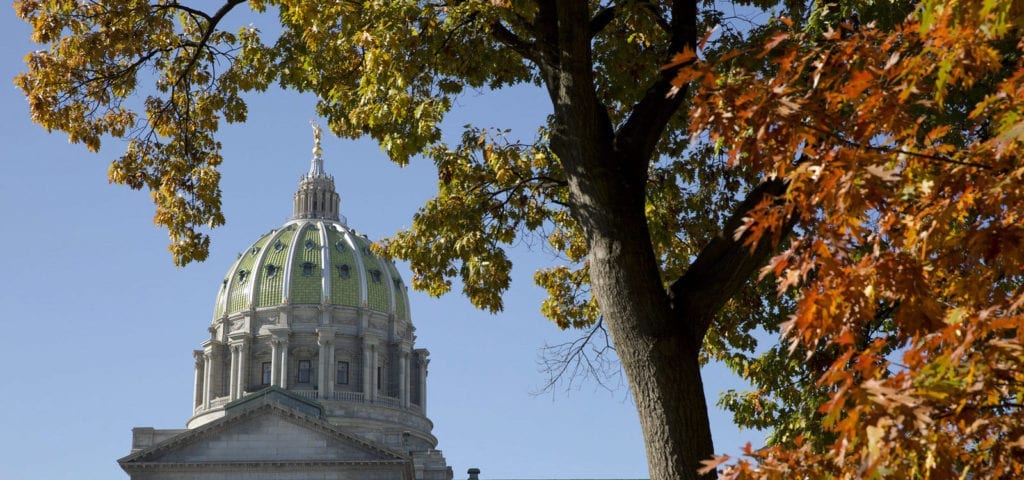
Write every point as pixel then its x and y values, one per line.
pixel 99 326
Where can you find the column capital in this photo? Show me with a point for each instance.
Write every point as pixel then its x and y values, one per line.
pixel 280 334
pixel 212 344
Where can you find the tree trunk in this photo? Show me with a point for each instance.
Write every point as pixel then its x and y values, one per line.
pixel 659 356
pixel 664 375
pixel 657 334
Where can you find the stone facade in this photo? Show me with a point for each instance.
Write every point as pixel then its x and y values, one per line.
pixel 310 370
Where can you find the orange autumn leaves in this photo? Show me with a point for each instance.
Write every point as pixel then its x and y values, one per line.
pixel 903 153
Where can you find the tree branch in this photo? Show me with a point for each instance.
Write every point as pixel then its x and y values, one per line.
pixel 601 20
pixel 640 133
pixel 939 158
pixel 574 361
pixel 189 10
pixel 210 28
pixel 526 49
pixel 723 266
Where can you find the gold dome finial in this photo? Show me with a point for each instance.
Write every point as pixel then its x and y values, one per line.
pixel 317 132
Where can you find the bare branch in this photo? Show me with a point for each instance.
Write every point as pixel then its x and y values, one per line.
pixel 589 357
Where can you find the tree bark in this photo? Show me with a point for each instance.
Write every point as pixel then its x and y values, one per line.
pixel 660 359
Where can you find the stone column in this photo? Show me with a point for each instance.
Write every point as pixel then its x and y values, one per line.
pixel 283 383
pixel 423 361
pixel 275 362
pixel 233 374
pixel 325 339
pixel 239 379
pixel 369 375
pixel 423 385
pixel 403 376
pixel 207 376
pixel 243 366
pixel 279 354
pixel 197 390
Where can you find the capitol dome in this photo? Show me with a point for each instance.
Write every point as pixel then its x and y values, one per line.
pixel 308 312
pixel 314 259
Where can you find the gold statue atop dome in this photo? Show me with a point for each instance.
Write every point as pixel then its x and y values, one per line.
pixel 317 132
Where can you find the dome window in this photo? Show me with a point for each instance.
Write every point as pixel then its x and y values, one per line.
pixel 254 251
pixel 340 246
pixel 243 275
pixel 310 244
pixel 278 246
pixel 307 269
pixel 375 275
pixel 272 270
pixel 344 271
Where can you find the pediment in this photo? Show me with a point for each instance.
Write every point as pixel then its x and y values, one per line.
pixel 269 432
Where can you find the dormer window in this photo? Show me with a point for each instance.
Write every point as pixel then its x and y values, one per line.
pixel 310 244
pixel 398 284
pixel 272 270
pixel 344 271
pixel 307 269
pixel 254 251
pixel 224 284
pixel 340 246
pixel 278 246
pixel 243 275
pixel 375 275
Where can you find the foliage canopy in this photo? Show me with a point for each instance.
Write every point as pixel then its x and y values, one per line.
pixel 877 142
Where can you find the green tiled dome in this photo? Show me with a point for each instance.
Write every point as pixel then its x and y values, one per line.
pixel 314 259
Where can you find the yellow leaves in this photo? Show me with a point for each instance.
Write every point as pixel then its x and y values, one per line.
pixel 568 303
pixel 885 174
pixel 874 437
